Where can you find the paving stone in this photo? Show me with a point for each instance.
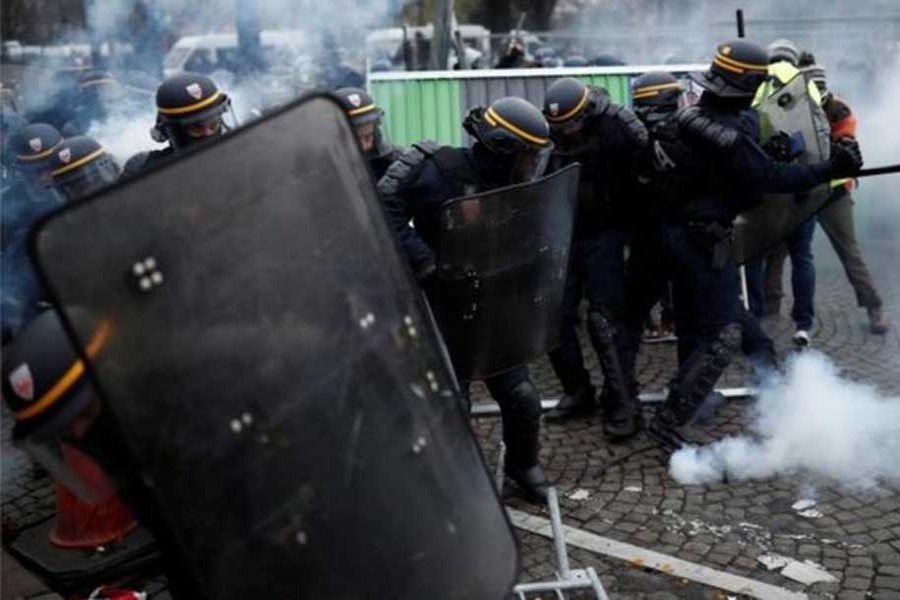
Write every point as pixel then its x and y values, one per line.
pixel 889 583
pixel 857 583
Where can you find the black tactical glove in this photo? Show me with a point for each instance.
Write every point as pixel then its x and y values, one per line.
pixel 846 158
pixel 779 147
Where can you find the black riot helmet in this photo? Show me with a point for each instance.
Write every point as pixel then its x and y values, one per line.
pixel 33 146
pixel 80 166
pixel 190 109
pixel 45 386
pixel 365 116
pixel 544 52
pixel 575 60
pixel 606 60
pixel 655 96
pixel 737 70
pixel 516 133
pixel 569 103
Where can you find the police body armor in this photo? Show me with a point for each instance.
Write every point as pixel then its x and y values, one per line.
pixel 793 116
pixel 502 257
pixel 285 401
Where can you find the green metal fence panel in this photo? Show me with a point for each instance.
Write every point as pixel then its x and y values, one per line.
pixel 432 105
pixel 420 109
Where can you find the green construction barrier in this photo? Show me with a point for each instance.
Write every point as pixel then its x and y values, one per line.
pixel 431 105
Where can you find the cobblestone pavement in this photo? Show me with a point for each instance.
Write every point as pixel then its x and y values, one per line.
pixel 631 497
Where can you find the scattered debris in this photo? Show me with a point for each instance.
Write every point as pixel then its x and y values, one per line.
pixel 811 513
pixel 634 488
pixel 580 494
pixel 773 561
pixel 807 572
pixel 803 504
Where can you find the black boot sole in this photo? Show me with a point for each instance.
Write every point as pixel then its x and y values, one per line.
pixel 560 417
pixel 669 440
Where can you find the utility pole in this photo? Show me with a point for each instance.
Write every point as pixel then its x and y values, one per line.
pixel 443 34
pixel 248 34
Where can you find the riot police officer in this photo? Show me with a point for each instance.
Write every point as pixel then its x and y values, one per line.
pixel 56 409
pixel 657 97
pixel 608 140
pixel 80 166
pixel 99 96
pixel 727 172
pixel 512 145
pixel 190 109
pixel 366 117
pixel 27 196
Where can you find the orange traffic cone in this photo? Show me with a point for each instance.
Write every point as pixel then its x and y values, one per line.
pixel 81 524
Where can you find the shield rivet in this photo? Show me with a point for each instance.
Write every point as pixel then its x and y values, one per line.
pixel 147 274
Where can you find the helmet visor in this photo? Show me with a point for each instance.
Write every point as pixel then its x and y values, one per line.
pixel 529 165
pixel 87 180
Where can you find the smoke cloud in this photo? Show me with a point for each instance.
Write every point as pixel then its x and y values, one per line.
pixel 810 423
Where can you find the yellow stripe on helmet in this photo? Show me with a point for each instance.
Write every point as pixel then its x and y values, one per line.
pixel 494 119
pixel 362 110
pixel 738 64
pixel 81 161
pixel 192 108
pixel 44 154
pixel 578 108
pixel 69 379
pixel 654 90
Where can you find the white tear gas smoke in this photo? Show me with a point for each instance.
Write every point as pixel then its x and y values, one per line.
pixel 810 423
pixel 318 44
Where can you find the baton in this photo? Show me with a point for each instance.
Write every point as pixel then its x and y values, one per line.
pixel 879 171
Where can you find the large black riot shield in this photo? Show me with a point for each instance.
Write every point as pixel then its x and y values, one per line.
pixel 502 258
pixel 791 111
pixel 273 372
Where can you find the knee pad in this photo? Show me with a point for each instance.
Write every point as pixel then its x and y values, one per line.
pixel 601 326
pixel 729 339
pixel 523 400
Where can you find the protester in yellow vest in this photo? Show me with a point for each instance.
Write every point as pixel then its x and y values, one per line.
pixel 764 279
pixel 836 218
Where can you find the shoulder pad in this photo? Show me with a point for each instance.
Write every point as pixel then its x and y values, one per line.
pixel 631 125
pixel 427 147
pixel 696 123
pixel 600 97
pixel 404 171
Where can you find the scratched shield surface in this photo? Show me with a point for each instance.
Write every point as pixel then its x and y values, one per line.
pixel 271 369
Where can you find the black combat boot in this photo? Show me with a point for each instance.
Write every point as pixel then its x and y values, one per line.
pixel 622 417
pixel 520 410
pixel 621 409
pixel 531 481
pixel 571 406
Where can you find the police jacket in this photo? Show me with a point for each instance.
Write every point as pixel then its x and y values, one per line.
pixel 142 161
pixel 729 170
pixel 664 173
pixel 385 159
pixel 416 186
pixel 24 203
pixel 609 148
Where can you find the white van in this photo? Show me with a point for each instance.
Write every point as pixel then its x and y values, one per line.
pixel 219 51
pixel 388 42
